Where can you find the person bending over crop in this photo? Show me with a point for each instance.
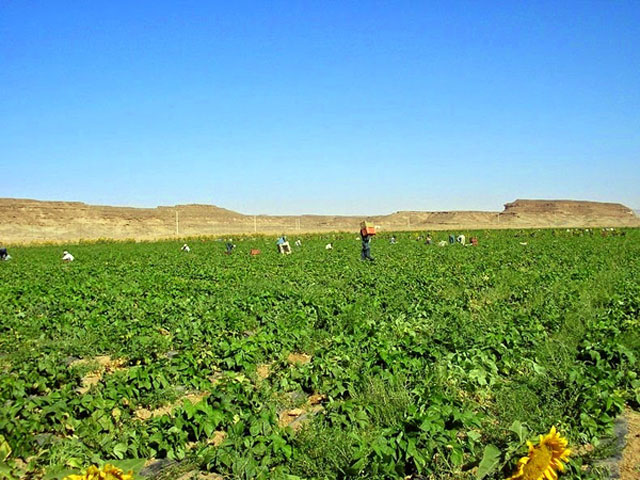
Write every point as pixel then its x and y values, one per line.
pixel 4 255
pixel 283 245
pixel 67 257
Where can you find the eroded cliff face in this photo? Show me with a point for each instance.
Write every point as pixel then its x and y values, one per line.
pixel 567 207
pixel 569 213
pixel 35 221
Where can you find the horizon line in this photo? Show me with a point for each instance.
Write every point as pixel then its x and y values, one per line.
pixel 317 214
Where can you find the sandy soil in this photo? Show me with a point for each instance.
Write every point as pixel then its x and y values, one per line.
pixel 630 466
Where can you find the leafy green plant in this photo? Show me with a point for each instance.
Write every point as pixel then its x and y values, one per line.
pixel 431 362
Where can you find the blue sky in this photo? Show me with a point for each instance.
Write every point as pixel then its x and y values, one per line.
pixel 320 107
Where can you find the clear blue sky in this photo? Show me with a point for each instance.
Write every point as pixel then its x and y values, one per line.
pixel 320 107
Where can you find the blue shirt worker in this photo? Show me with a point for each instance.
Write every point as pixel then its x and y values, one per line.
pixel 283 245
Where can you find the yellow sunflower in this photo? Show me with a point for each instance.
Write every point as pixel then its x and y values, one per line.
pixel 108 472
pixel 544 459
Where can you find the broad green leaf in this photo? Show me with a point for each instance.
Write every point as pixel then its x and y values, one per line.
pixel 5 449
pixel 74 462
pixel 474 436
pixel 119 450
pixel 5 472
pixel 520 430
pixel 489 461
pixel 56 474
pixel 457 457
pixel 133 464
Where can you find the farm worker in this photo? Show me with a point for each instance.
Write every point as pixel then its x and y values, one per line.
pixel 328 246
pixel 230 246
pixel 452 239
pixel 4 255
pixel 366 246
pixel 185 248
pixel 393 240
pixel 474 241
pixel 67 257
pixel 283 245
pixel 461 240
pixel 442 243
pixel 286 247
pixel 298 243
pixel 429 240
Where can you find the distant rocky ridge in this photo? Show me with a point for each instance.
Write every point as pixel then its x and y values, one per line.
pixel 24 221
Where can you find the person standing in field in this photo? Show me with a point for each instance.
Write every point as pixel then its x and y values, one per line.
pixel 366 245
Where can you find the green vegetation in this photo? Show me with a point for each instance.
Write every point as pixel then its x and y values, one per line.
pixel 416 365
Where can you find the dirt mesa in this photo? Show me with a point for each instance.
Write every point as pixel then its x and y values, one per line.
pixel 29 221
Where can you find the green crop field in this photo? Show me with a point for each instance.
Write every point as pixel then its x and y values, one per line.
pixel 431 363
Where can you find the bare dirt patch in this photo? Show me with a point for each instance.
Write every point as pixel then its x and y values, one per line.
pixel 263 371
pixel 89 381
pixel 630 465
pixel 146 414
pixel 104 362
pixel 296 418
pixel 316 399
pixel 218 375
pixel 215 439
pixel 298 358
pixel 215 377
pixel 105 365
